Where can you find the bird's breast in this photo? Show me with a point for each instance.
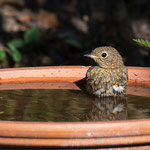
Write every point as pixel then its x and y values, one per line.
pixel 106 82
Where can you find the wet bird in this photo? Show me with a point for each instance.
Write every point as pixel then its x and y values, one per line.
pixel 109 77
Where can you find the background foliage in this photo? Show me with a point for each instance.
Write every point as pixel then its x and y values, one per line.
pixel 42 32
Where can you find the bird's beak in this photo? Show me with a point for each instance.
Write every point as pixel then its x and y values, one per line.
pixel 90 55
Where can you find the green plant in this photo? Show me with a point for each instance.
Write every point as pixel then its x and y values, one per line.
pixel 2 55
pixel 142 42
pixel 73 43
pixel 13 46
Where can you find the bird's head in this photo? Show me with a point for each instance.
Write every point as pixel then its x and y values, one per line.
pixel 106 57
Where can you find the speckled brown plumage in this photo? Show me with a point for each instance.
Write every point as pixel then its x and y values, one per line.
pixel 109 77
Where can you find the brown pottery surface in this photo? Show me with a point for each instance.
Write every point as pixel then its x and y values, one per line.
pixel 64 134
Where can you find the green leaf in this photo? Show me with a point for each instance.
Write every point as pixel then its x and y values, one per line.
pixel 2 55
pixel 18 43
pixel 142 42
pixel 31 35
pixel 73 43
pixel 16 55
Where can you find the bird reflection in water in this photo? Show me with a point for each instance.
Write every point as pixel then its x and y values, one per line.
pixel 108 109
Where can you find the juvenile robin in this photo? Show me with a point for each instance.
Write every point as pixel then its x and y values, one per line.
pixel 110 76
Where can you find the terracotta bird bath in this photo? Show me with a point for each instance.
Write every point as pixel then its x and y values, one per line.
pixel 125 134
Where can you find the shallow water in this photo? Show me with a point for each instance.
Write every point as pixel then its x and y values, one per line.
pixel 69 105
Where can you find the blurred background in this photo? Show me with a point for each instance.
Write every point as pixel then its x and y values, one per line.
pixel 56 32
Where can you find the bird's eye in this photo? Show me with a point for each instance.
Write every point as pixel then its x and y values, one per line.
pixel 104 54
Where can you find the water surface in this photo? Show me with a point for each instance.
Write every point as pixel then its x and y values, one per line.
pixel 69 105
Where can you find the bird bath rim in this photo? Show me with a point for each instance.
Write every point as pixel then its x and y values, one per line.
pixel 66 133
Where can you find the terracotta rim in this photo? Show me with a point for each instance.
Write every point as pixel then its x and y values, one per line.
pixel 71 134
